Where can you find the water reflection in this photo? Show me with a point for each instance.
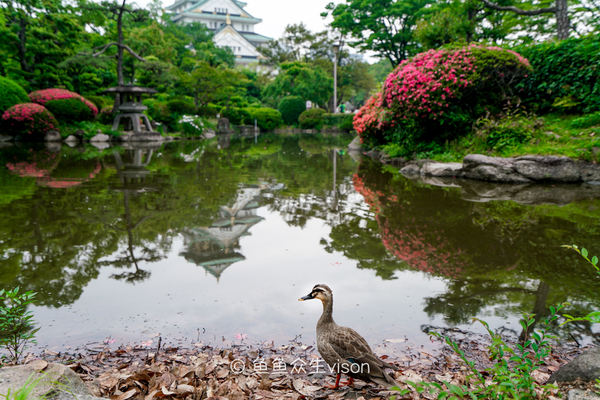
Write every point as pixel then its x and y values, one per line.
pixel 93 230
pixel 214 247
pixel 490 254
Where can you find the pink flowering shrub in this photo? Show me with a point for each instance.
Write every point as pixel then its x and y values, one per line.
pixel 437 95
pixel 56 96
pixel 30 119
pixel 372 120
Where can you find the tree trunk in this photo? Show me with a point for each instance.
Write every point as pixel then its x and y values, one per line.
pixel 562 20
pixel 120 45
pixel 22 34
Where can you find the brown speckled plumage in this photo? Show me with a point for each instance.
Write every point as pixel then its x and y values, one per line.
pixel 340 346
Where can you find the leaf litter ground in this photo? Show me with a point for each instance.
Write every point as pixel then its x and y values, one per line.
pixel 294 371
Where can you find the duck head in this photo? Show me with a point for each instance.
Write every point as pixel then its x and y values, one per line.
pixel 321 292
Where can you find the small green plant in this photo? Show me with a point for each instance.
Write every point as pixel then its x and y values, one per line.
pixel 586 121
pixel 16 323
pixel 593 317
pixel 510 377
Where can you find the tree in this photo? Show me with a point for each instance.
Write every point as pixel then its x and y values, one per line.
pixel 560 11
pixel 300 79
pixel 384 27
pixel 460 21
pixel 210 84
pixel 35 37
pixel 116 13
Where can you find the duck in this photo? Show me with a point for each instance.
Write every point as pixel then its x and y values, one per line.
pixel 344 349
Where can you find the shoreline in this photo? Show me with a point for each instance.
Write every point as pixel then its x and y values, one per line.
pixel 218 372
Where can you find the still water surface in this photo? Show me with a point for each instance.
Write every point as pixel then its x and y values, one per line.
pixel 202 241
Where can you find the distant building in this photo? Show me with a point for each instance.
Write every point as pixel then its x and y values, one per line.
pixel 232 26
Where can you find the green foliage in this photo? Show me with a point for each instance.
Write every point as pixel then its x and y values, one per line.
pixel 66 110
pixel 290 108
pixel 384 27
pixel 16 323
pixel 586 121
pixel 342 121
pixel 236 115
pixel 511 372
pixel 310 82
pixel 106 116
pixel 266 118
pixel 593 317
pixel 181 107
pixel 311 119
pixel 100 101
pixel 507 130
pixel 192 125
pixel 10 94
pixel 565 73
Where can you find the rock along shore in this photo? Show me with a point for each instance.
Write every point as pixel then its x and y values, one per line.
pixel 521 170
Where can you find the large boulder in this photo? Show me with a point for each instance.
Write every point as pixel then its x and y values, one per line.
pixel 55 381
pixel 485 168
pixel 586 367
pixel 547 168
pixel 453 170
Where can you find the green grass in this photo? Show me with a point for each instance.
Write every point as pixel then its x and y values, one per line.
pixel 553 134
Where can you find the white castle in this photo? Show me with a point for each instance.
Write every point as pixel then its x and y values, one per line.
pixel 232 26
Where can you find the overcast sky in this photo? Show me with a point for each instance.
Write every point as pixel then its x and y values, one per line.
pixel 277 14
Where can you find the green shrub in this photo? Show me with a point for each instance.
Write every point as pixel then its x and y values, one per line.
pixel 209 110
pixel 565 75
pixel 42 97
pixel 311 119
pixel 10 94
pixel 236 115
pixel 266 118
pixel 106 116
pixel 290 108
pixel 66 110
pixel 28 119
pixel 506 131
pixel 181 107
pixel 342 121
pixel 100 101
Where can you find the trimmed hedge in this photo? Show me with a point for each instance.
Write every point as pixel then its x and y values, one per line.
pixel 311 119
pixel 10 94
pixel 69 110
pixel 266 118
pixel 290 108
pixel 29 119
pixel 42 97
pixel 565 75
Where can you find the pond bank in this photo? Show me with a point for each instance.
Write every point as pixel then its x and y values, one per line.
pixel 521 170
pixel 265 371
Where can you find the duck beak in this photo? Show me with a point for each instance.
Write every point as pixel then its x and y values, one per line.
pixel 307 297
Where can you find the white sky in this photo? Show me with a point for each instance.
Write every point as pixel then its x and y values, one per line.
pixel 277 14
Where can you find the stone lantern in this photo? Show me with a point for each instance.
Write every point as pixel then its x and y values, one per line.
pixel 131 111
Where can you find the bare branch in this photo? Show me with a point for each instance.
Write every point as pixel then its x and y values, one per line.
pixel 518 10
pixel 133 53
pixel 104 48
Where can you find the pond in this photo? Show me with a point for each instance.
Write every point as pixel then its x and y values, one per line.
pixel 213 241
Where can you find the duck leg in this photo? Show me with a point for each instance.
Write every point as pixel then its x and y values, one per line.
pixel 338 383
